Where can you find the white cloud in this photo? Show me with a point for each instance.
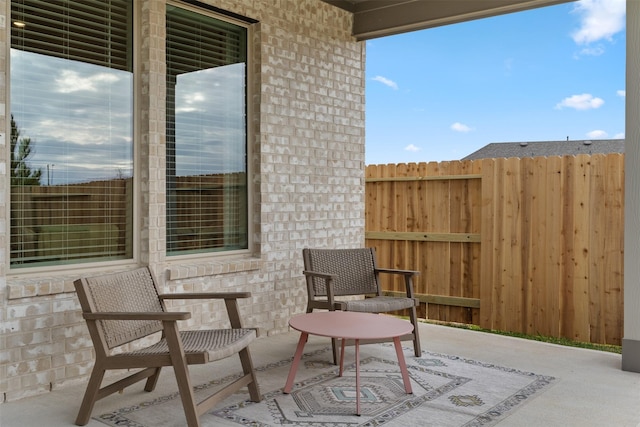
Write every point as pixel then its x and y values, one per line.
pixel 412 147
pixel 621 93
pixel 593 51
pixel 386 81
pixel 585 101
pixel 599 19
pixel 619 135
pixel 597 134
pixel 70 81
pixel 508 65
pixel 190 101
pixel 459 127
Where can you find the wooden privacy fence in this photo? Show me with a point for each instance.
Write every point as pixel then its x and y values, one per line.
pixel 532 245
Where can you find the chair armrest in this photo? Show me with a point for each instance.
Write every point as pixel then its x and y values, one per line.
pixel 328 283
pixel 396 271
pixel 206 295
pixel 161 315
pixel 408 278
pixel 325 276
pixel 230 301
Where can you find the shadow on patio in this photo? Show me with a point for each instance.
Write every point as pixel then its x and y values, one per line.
pixel 588 389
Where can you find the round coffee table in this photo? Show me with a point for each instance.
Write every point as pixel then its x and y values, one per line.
pixel 350 325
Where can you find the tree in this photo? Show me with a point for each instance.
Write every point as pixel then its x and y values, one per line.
pixel 21 149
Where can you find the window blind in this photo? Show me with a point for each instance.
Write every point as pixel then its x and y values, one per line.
pixel 206 133
pixel 89 31
pixel 71 137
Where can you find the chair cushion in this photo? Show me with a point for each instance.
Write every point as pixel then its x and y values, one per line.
pixel 379 304
pixel 218 343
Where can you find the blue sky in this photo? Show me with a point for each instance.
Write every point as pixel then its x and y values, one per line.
pixel 539 75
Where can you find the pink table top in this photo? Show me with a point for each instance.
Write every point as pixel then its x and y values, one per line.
pixel 350 325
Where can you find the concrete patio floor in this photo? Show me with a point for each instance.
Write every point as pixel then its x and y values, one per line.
pixel 591 389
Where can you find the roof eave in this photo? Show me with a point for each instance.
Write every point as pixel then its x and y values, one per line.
pixel 380 18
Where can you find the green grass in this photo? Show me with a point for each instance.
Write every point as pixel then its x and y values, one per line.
pixel 553 340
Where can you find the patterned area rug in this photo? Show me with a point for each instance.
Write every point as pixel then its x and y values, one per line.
pixel 447 391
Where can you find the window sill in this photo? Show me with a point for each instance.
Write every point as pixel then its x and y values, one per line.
pixel 40 285
pixel 212 268
pixel 36 287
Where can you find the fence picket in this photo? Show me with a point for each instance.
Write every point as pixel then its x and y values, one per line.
pixel 550 251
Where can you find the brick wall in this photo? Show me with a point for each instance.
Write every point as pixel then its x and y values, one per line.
pixel 307 161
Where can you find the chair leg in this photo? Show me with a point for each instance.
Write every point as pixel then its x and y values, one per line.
pixel 152 381
pixel 335 347
pixel 334 342
pixel 186 394
pixel 247 368
pixel 416 335
pixel 90 395
pixel 181 370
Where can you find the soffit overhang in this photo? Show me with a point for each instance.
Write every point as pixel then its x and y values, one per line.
pixel 380 18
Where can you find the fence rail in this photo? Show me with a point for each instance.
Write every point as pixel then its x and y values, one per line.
pixel 532 245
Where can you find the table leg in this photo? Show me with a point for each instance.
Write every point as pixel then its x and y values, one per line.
pixel 357 377
pixel 342 357
pixel 403 366
pixel 296 361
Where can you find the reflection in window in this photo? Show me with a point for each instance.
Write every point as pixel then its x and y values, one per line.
pixel 206 134
pixel 72 133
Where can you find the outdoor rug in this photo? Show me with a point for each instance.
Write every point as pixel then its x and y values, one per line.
pixel 447 391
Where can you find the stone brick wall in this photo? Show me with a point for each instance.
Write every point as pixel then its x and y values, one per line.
pixel 307 169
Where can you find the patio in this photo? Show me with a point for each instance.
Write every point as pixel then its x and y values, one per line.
pixel 590 388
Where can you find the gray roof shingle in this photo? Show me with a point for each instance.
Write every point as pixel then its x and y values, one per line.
pixel 547 148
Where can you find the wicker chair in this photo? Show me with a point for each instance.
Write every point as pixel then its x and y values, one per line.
pixel 332 273
pixel 123 307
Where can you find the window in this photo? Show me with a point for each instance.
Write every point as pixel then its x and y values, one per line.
pixel 206 133
pixel 71 131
